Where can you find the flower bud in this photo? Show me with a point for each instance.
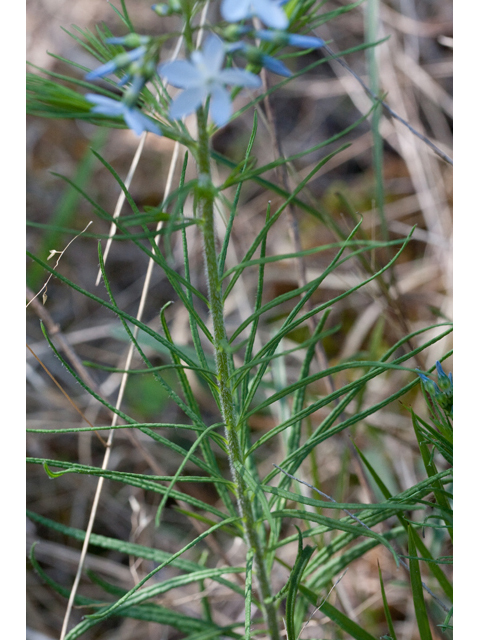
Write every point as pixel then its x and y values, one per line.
pixel 132 40
pixel 173 7
pixel 282 39
pixel 234 32
pixel 445 382
pixel 429 386
pixel 441 392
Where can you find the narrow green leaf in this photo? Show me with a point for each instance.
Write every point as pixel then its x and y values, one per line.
pixel 180 468
pixel 370 518
pixel 248 594
pixel 352 628
pixel 303 557
pixel 257 491
pixel 128 22
pixel 323 432
pixel 431 469
pixel 223 253
pixel 386 608
pixel 417 591
pixel 279 211
pixel 436 570
pixel 148 612
pixel 135 480
pixel 332 524
pixel 57 474
pixel 132 597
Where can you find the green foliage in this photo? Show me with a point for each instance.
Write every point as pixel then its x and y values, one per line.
pixel 245 374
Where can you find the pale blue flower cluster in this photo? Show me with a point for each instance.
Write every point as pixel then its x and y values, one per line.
pixel 204 75
pixel 269 11
pixel 273 16
pixel 139 70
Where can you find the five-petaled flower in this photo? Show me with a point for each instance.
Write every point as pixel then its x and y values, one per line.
pixel 134 118
pixel 203 76
pixel 269 11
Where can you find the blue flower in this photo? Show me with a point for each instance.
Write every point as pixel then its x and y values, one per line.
pixel 134 118
pixel 130 40
pixel 429 385
pixel 283 39
pixel 122 60
pixel 203 76
pixel 269 11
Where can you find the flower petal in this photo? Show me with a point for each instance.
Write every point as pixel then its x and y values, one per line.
pixel 235 10
pixel 139 122
pixel 181 73
pixel 104 70
pixel 214 54
pixel 187 102
pixel 239 77
pixel 282 39
pixel 304 42
pixel 235 46
pixel 220 106
pixel 272 64
pixel 105 106
pixel 271 14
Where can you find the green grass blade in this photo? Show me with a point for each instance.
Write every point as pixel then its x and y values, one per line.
pixel 436 570
pixel 301 562
pixel 178 473
pixel 431 469
pixel 248 595
pixel 325 430
pixel 135 480
pixel 352 628
pixel 132 597
pixel 187 408
pixel 386 608
pixel 291 197
pixel 115 309
pixel 223 253
pixel 417 591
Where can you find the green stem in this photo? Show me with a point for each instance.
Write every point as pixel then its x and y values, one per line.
pixel 205 204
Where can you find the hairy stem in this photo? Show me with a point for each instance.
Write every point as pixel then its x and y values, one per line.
pixel 205 204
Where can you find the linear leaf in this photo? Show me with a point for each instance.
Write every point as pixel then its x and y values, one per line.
pixel 301 562
pixel 417 591
pixel 386 608
pixel 133 479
